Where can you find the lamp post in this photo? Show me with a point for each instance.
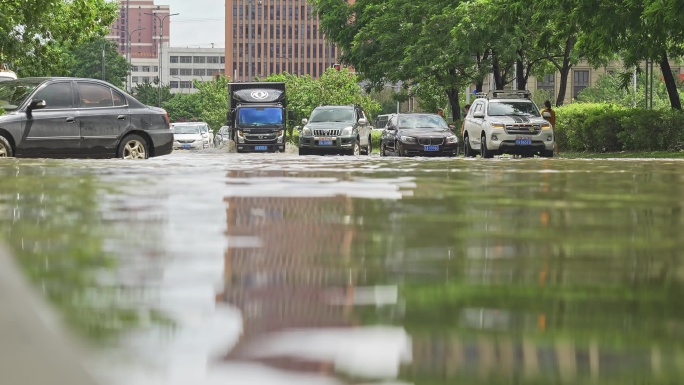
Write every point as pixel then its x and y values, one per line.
pixel 159 52
pixel 289 62
pixel 179 82
pixel 129 83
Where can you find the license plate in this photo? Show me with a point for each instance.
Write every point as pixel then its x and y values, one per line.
pixel 325 142
pixel 523 141
pixel 431 148
pixel 260 148
pixel 185 146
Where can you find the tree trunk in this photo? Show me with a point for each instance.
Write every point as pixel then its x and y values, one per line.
pixel 499 81
pixel 452 94
pixel 520 79
pixel 670 83
pixel 565 70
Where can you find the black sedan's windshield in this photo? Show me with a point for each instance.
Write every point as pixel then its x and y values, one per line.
pixel 14 93
pixel 422 121
pixel 332 115
pixel 512 108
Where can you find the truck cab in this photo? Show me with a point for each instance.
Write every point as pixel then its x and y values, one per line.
pixel 257 116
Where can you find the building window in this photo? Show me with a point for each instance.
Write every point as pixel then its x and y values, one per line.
pixel 199 72
pixel 580 81
pixel 173 71
pixel 174 59
pixel 186 59
pixel 223 60
pixel 145 79
pixel 134 79
pixel 212 59
pixel 198 59
pixel 186 72
pixel 146 69
pixel 548 82
pixel 173 84
pixel 156 69
pixel 134 69
pixel 186 84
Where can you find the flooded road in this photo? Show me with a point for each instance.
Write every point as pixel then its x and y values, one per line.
pixel 216 268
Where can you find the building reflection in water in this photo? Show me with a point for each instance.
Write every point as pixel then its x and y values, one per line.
pixel 293 269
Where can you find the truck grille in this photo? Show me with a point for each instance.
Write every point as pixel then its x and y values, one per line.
pixel 523 128
pixel 326 132
pixel 430 141
pixel 260 137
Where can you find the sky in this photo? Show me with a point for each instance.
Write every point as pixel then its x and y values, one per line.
pixel 198 23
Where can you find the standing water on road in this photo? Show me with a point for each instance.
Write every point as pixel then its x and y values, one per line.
pixel 214 268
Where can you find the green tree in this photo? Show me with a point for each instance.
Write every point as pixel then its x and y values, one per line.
pixel 34 34
pixel 148 94
pixel 213 99
pixel 184 108
pixel 85 61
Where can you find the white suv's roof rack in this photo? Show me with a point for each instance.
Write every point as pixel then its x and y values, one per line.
pixel 509 94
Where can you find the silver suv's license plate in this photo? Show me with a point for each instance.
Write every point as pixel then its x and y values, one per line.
pixel 523 141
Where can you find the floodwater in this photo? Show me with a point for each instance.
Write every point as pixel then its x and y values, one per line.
pixel 217 268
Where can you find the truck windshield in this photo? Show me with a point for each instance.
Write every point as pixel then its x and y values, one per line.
pixel 260 116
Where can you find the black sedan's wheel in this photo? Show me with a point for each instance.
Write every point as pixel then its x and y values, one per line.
pixel 469 152
pixel 133 147
pixel 5 148
pixel 485 153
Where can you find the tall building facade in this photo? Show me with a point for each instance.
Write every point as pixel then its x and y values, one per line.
pixel 266 37
pixel 184 65
pixel 140 31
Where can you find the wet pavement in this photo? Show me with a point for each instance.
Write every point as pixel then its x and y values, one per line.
pixel 218 268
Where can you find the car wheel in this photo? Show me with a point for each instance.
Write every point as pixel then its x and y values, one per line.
pixel 369 148
pixel 469 152
pixel 133 147
pixel 5 148
pixel 303 151
pixel 383 149
pixel 356 150
pixel 483 145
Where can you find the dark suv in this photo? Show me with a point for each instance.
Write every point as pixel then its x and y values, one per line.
pixel 336 129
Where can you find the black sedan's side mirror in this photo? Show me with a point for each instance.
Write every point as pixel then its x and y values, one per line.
pixel 36 104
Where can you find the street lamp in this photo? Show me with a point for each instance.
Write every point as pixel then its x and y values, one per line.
pixel 290 62
pixel 129 82
pixel 159 52
pixel 179 82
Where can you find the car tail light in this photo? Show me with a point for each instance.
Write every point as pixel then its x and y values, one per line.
pixel 168 121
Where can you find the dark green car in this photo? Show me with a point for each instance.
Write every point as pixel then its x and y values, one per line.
pixel 336 130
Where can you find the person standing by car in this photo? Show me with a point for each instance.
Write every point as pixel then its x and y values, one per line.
pixel 466 108
pixel 550 115
pixel 440 112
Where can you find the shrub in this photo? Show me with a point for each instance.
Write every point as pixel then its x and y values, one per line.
pixel 600 127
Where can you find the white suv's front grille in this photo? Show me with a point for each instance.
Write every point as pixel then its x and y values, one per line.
pixel 326 132
pixel 523 128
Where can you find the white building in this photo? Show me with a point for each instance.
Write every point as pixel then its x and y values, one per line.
pixel 179 67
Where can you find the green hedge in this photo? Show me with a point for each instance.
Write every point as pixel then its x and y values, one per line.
pixel 598 127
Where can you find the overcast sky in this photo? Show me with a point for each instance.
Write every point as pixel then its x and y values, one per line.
pixel 198 23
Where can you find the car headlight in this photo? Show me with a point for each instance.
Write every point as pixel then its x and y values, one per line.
pixel 452 139
pixel 347 131
pixel 408 139
pixel 546 126
pixel 306 131
pixel 241 134
pixel 500 126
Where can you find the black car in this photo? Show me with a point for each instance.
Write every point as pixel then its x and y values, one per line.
pixel 71 117
pixel 418 134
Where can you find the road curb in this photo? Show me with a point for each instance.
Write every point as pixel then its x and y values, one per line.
pixel 35 348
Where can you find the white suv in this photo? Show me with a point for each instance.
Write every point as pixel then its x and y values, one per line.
pixel 506 122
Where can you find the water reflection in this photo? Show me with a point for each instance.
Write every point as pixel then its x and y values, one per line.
pixel 330 271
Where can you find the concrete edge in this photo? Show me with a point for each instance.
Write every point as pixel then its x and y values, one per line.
pixel 36 348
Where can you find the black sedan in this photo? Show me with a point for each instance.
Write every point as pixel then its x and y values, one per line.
pixel 418 134
pixel 70 117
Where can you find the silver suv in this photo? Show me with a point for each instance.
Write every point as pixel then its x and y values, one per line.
pixel 506 122
pixel 339 129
